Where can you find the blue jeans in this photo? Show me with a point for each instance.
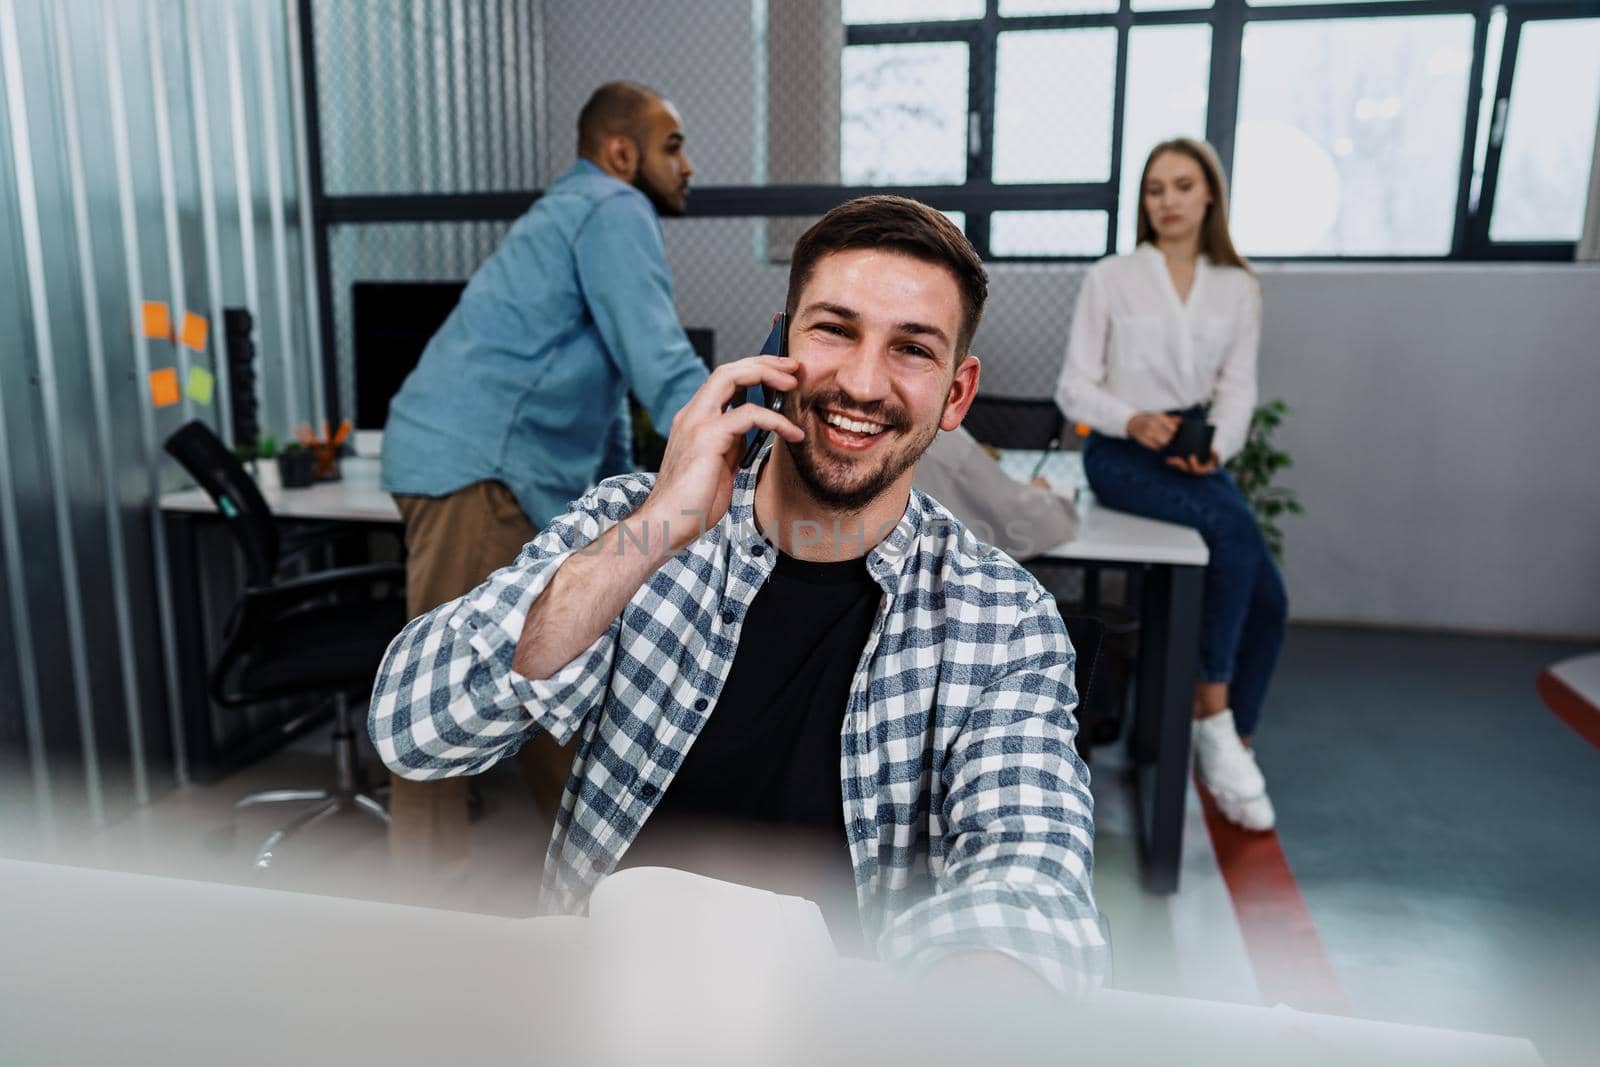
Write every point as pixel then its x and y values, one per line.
pixel 1246 608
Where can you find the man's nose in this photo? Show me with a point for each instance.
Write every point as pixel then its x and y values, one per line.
pixel 863 377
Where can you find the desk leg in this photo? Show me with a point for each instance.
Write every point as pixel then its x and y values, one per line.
pixel 192 696
pixel 1169 642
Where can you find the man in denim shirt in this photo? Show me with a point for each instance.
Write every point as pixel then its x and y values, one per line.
pixel 809 647
pixel 519 402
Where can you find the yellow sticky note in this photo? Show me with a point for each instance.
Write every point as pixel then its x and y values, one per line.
pixel 164 387
pixel 193 333
pixel 200 385
pixel 157 321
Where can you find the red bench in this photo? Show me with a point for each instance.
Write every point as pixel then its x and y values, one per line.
pixel 1571 689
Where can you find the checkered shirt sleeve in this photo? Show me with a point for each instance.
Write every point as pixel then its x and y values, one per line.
pixel 447 701
pixel 1019 825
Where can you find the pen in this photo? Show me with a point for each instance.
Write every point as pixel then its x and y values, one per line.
pixel 1044 457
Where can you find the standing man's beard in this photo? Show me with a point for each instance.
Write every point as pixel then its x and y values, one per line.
pixel 819 473
pixel 664 207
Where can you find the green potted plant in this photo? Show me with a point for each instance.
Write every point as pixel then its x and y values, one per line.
pixel 1254 469
pixel 648 446
pixel 259 456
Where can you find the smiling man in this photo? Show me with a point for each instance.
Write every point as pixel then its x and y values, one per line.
pixel 808 653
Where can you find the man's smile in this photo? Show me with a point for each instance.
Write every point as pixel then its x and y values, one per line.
pixel 851 433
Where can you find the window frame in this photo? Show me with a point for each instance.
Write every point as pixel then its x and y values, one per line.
pixel 1477 226
pixel 980 196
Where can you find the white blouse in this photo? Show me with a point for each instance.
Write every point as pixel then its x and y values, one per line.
pixel 1135 346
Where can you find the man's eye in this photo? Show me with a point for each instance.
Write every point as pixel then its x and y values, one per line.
pixel 830 327
pixel 917 350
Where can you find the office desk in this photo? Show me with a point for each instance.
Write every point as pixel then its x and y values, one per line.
pixel 104 967
pixel 1172 560
pixel 219 740
pixel 354 498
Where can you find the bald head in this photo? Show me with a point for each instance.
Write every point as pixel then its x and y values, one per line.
pixel 617 109
pixel 635 136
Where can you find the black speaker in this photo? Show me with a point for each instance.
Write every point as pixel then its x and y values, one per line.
pixel 237 327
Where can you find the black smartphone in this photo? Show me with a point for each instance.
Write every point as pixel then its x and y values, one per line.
pixel 1193 439
pixel 776 344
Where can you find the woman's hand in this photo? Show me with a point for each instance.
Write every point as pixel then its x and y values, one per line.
pixel 695 484
pixel 1191 465
pixel 1152 429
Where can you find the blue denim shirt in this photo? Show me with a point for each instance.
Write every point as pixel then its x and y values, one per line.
pixel 527 380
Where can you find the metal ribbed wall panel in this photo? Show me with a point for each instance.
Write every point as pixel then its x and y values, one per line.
pixel 423 96
pixel 133 166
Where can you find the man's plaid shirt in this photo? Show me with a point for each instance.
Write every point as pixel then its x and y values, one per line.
pixel 967 810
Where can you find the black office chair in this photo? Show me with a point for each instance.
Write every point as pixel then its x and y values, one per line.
pixel 323 632
pixel 1086 633
pixel 1015 422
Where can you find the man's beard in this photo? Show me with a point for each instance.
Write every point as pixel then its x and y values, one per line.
pixel 849 490
pixel 664 207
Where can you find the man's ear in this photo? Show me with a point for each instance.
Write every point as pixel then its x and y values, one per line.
pixel 619 155
pixel 962 391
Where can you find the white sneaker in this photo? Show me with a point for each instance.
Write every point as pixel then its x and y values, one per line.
pixel 1228 770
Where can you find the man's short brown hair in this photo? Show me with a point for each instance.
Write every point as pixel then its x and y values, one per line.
pixel 899 225
pixel 615 108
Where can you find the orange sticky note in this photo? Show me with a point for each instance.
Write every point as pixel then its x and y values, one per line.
pixel 157 321
pixel 193 334
pixel 164 387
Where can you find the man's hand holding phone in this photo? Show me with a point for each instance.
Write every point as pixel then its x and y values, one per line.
pixel 707 441
pixel 691 494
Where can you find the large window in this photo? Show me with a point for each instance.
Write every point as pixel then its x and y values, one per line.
pixel 904 114
pixel 1349 135
pixel 1458 129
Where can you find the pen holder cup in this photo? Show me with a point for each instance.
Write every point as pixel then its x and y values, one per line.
pixel 297 469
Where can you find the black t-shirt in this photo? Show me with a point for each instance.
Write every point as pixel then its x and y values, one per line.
pixel 770 750
pixel 769 754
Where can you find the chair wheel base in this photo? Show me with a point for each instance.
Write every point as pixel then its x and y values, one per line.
pixel 347 795
pixel 330 803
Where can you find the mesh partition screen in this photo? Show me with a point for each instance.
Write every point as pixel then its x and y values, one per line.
pixel 428 96
pixel 450 96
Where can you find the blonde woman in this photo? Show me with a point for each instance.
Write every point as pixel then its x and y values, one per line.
pixel 1164 334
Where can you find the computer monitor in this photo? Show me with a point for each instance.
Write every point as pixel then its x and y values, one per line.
pixel 393 322
pixel 704 343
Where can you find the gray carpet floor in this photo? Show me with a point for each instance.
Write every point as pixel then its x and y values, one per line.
pixel 1441 824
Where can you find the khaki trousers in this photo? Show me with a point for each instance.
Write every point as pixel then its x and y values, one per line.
pixel 453 543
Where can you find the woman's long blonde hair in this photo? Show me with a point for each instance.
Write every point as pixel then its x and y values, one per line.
pixel 1215 241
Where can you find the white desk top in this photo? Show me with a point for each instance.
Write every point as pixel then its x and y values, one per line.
pixel 1582 675
pixel 103 967
pixel 356 497
pixel 1104 534
pixel 1111 536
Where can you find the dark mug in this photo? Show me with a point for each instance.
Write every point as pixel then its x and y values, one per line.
pixel 1193 438
pixel 297 469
